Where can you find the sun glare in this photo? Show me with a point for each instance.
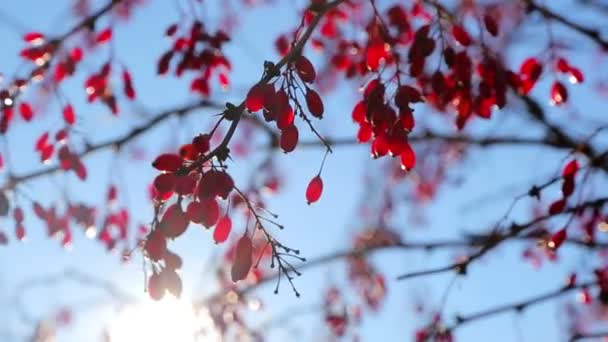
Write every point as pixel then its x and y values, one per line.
pixel 167 320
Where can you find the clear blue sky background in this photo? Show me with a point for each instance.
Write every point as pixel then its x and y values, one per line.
pixel 495 176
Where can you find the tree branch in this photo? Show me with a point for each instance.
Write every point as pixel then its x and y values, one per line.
pixel 235 113
pixel 518 306
pixel 590 33
pixel 403 246
pixel 587 336
pixel 116 143
pixel 462 265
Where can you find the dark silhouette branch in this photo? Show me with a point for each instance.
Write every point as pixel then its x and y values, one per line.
pixel 588 336
pixel 116 143
pixel 471 242
pixel 517 306
pixel 515 229
pixel 560 138
pixel 590 33
pixel 234 113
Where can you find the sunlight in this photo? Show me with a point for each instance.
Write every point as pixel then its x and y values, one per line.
pixel 170 319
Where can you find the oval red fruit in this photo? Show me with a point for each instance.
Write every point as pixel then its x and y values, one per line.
pixel 242 260
pixel 209 211
pixel 224 184
pixel 156 287
pixel 26 111
pixel 165 182
pixel 557 207
pixel 289 138
pixel 314 189
pixel 174 222
pixel 559 93
pixel 222 230
pixel 68 114
pixel 184 185
pixel 305 69
pixel 571 168
pixel 172 260
pixel 314 103
pixel 167 162
pixel 460 35
pixel 155 245
pixel 490 24
pixel 172 282
pixel 408 157
pixel 255 98
pixel 104 36
pixel 557 239
pixel 201 143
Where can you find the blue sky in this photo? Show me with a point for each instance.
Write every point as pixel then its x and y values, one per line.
pixel 499 173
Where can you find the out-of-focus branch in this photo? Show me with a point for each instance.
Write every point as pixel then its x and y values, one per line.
pixel 560 138
pixel 427 136
pixel 116 143
pixel 589 336
pixel 517 306
pixel 470 242
pixel 590 33
pixel 497 238
pixel 74 275
pixel 57 42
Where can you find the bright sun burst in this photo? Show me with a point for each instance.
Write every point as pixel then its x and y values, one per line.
pixel 170 319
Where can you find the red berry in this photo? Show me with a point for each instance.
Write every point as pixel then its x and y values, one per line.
pixel 156 286
pixel 201 143
pixel 289 138
pixel 376 53
pixel 559 93
pixel 155 245
pixel 26 111
pixel 224 184
pixel 557 239
pixel 222 230
pixel 167 162
pixel 314 103
pixel 257 96
pixel 104 36
pixel 557 207
pixel 314 189
pixel 461 35
pixel 185 185
pixel 172 260
pixel 242 260
pixel 305 69
pixel 32 37
pixel 174 222
pixel 571 168
pixel 128 85
pixel 20 232
pixel 490 24
pixel 210 212
pixel 68 114
pixel 408 157
pixel 165 182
